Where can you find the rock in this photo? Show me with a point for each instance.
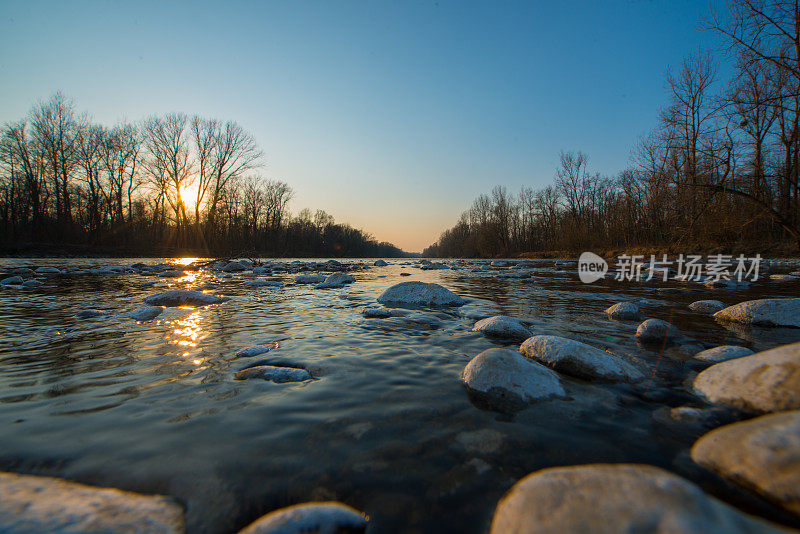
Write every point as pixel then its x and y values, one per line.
pixel 707 306
pixel 335 280
pixel 32 283
pixel 405 274
pixel 48 271
pixel 579 359
pixel 656 330
pixel 31 503
pixel 420 294
pixel 274 374
pixel 23 271
pixel 170 274
pixel 309 279
pixel 612 498
pixel 317 517
pixel 763 312
pixel 484 441
pixel 767 381
pixel 722 353
pixel 502 326
pixel 762 454
pixel 88 314
pixel 504 375
pixel 624 311
pixel 142 314
pixel 255 350
pixel 380 263
pixel 182 297
pixel 12 281
pixel 234 267
pixel 376 313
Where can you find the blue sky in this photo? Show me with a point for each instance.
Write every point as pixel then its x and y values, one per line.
pixel 392 116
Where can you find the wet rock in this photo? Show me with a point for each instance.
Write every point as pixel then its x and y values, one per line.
pixel 380 263
pixel 616 498
pixel 309 279
pixel 376 313
pixel 405 274
pixel 707 306
pixel 48 271
pixel 335 280
pixel 142 314
pixel 420 294
pixel 503 375
pixel 317 517
pixel 767 381
pixel 656 330
pixel 624 311
pixel 762 454
pixel 182 297
pixel 170 274
pixel 502 326
pixel 579 359
pixel 274 373
pixel 23 272
pixel 88 314
pixel 43 504
pixel 723 353
pixel 234 267
pixel 763 312
pixel 32 283
pixel 12 281
pixel 255 350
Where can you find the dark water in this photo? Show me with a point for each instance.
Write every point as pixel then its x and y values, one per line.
pixel 387 427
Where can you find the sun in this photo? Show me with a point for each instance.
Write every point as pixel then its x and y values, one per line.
pixel 189 196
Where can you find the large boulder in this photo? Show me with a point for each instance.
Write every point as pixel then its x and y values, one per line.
pixel 762 454
pixel 626 311
pixel 335 280
pixel 658 331
pixel 182 297
pixel 723 353
pixel 420 294
pixel 707 306
pixel 579 359
pixel 380 263
pixel 43 504
pixel 504 376
pixel 502 326
pixel 768 381
pixel 316 517
pixel 763 312
pixel 613 498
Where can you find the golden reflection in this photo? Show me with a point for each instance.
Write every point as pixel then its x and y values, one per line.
pixel 186 261
pixel 188 329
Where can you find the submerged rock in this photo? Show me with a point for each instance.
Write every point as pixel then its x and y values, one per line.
pixel 31 503
pixel 707 306
pixel 88 314
pixel 625 311
pixel 32 283
pixel 317 517
pixel 142 314
pixel 762 454
pixel 504 376
pixel 255 350
pixel 11 281
pixel 309 279
pixel 656 330
pixel 420 294
pixel 616 498
pixel 767 381
pixel 763 312
pixel 274 374
pixel 182 297
pixel 723 353
pixel 579 359
pixel 502 326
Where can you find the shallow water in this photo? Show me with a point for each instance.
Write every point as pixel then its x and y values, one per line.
pixel 387 426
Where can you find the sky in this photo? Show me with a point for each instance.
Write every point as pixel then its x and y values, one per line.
pixel 391 116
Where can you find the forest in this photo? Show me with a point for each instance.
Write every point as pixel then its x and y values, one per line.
pixel 171 184
pixel 720 170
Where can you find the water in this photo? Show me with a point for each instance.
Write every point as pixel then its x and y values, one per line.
pixel 387 427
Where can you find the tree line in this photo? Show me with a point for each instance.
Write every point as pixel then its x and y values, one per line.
pixel 720 169
pixel 167 184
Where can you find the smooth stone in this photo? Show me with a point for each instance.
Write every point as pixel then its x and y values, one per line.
pixel 764 312
pixel 309 279
pixel 420 294
pixel 182 297
pixel 255 350
pixel 505 375
pixel 32 283
pixel 376 313
pixel 23 271
pixel 624 311
pixel 47 271
pixel 658 330
pixel 234 267
pixel 767 381
pixel 88 314
pixel 142 314
pixel 380 263
pixel 31 504
pixel 613 498
pixel 405 274
pixel 12 280
pixel 502 326
pixel 707 306
pixel 274 374
pixel 335 280
pixel 170 274
pixel 762 454
pixel 579 359
pixel 723 353
pixel 311 517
